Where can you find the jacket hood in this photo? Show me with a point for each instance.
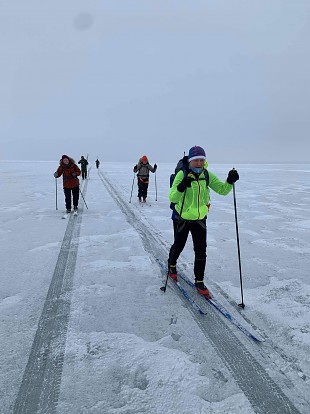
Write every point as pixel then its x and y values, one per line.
pixel 71 160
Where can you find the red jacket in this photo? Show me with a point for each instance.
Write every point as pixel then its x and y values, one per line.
pixel 66 171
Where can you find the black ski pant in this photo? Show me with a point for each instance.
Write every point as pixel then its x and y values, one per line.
pixel 75 194
pixel 84 173
pixel 198 229
pixel 142 188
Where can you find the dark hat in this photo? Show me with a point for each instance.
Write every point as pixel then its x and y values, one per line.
pixel 196 153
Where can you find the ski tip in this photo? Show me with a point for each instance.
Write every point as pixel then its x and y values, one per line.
pixel 258 335
pixel 258 340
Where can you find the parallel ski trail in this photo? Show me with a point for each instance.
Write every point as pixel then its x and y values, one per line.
pixel 39 389
pixel 264 394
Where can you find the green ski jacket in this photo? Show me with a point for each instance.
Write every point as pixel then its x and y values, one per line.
pixel 197 197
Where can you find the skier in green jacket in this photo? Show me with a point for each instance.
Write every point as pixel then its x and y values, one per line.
pixel 191 194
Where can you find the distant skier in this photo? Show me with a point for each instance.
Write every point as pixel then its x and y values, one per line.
pixel 190 192
pixel 69 172
pixel 143 169
pixel 97 163
pixel 84 164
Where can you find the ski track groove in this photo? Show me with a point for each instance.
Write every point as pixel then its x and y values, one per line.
pixel 40 386
pixel 264 394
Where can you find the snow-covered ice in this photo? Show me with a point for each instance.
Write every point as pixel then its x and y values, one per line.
pixel 130 348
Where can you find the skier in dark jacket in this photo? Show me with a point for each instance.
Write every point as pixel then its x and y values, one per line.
pixel 97 163
pixel 143 169
pixel 84 164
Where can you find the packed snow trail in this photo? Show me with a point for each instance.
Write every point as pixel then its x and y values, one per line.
pixel 264 394
pixel 39 389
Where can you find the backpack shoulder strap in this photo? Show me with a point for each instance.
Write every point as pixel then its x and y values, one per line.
pixel 185 170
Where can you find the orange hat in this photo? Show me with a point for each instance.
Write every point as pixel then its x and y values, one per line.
pixel 144 158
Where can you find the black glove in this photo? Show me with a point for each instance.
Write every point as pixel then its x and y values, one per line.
pixel 233 176
pixel 55 175
pixel 135 168
pixel 155 167
pixel 185 183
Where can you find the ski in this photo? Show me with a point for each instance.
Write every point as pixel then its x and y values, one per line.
pixel 224 312
pixel 184 292
pixel 66 214
pixel 191 301
pixel 75 213
pixel 144 204
pixel 234 321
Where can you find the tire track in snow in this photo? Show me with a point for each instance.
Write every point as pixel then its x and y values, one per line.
pixel 264 394
pixel 39 389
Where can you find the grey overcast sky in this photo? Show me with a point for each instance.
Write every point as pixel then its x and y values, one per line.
pixel 123 78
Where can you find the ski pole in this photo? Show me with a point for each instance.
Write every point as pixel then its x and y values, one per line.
pixel 83 197
pixel 155 186
pixel 56 193
pixel 241 305
pixel 132 186
pixel 163 288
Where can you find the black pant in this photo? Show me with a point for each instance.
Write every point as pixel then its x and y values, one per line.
pixel 84 174
pixel 142 188
pixel 75 193
pixel 198 229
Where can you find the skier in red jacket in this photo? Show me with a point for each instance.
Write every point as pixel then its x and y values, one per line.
pixel 69 171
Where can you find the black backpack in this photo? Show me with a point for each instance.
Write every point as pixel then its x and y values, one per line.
pixel 183 165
